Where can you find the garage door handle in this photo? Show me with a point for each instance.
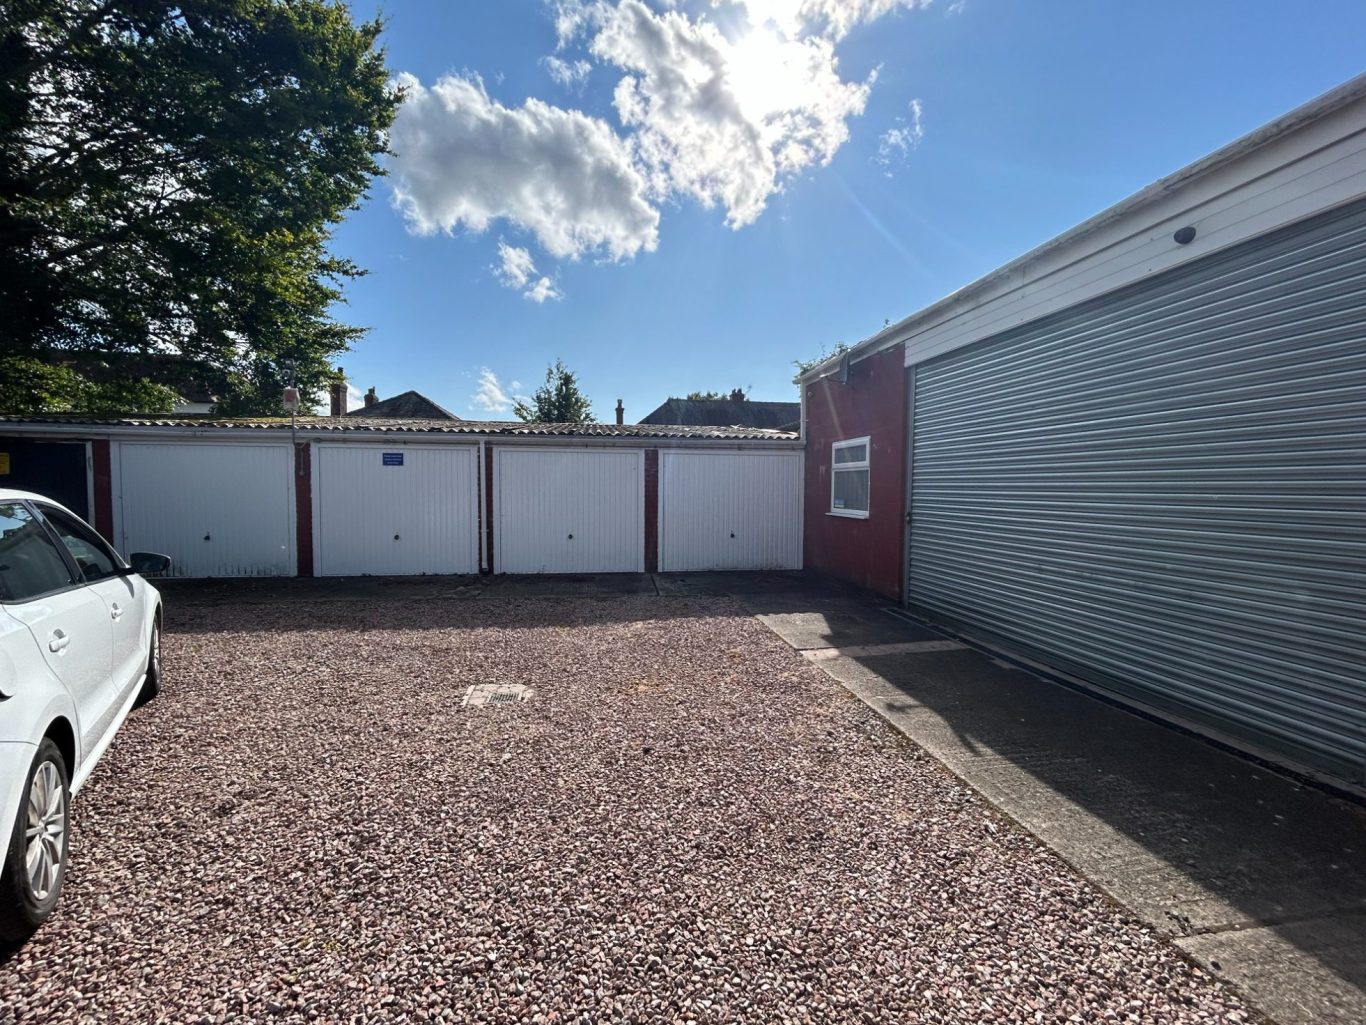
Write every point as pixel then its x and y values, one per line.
pixel 571 537
pixel 207 537
pixel 58 641
pixel 395 537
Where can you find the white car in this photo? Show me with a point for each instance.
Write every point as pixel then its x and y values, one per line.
pixel 80 643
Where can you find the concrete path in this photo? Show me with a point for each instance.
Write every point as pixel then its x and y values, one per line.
pixel 1259 878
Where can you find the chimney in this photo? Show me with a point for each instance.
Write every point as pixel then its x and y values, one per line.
pixel 339 393
pixel 371 398
pixel 621 412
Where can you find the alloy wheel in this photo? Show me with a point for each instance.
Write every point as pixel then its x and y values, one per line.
pixel 45 832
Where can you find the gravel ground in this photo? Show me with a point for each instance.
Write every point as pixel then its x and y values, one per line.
pixel 687 823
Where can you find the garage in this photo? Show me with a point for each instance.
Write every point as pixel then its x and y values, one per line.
pixel 569 510
pixel 223 509
pixel 396 509
pixel 1163 491
pixel 729 511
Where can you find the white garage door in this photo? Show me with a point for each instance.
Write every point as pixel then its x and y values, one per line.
pixel 396 509
pixel 730 510
pixel 569 511
pixel 218 510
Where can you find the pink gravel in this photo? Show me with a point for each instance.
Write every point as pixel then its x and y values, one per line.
pixel 686 823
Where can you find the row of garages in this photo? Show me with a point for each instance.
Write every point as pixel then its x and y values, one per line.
pixel 406 504
pixel 1137 455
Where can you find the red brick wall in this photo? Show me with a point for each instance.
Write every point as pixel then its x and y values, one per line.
pixel 872 403
pixel 303 507
pixel 652 510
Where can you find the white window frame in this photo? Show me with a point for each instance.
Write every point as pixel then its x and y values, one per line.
pixel 835 468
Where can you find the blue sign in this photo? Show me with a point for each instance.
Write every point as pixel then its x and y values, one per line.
pixel 393 458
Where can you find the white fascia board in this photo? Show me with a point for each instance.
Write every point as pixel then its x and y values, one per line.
pixel 1307 161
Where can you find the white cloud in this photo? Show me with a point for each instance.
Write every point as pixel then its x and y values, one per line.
pixel 904 135
pixel 567 73
pixel 517 269
pixel 542 289
pixel 491 396
pixel 725 117
pixel 831 18
pixel 724 120
pixel 464 160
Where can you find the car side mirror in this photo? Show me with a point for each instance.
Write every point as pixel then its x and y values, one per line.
pixel 143 563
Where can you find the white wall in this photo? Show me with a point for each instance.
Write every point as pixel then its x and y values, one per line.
pixel 1300 173
pixel 730 511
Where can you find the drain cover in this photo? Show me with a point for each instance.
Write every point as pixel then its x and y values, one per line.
pixel 496 694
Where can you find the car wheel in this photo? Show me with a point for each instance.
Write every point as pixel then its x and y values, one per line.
pixel 151 686
pixel 35 861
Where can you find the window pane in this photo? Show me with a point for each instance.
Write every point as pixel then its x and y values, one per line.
pixel 30 564
pixel 851 490
pixel 852 454
pixel 95 558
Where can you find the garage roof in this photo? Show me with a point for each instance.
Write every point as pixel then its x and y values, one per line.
pixel 391 425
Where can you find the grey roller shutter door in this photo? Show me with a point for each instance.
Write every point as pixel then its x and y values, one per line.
pixel 1163 491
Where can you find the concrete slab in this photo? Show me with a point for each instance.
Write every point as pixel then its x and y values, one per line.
pixel 1242 865
pixel 1289 966
pixel 844 625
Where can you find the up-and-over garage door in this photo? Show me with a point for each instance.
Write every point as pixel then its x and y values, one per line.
pixel 396 509
pixel 218 510
pixel 569 510
pixel 730 510
pixel 1164 491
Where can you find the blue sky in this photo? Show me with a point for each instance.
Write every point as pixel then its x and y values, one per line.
pixel 689 196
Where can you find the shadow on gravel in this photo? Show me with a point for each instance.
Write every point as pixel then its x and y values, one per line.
pixel 1231 845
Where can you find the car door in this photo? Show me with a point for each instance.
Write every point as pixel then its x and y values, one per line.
pixel 101 570
pixel 70 622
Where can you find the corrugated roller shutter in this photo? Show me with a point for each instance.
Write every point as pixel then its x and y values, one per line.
pixel 1163 491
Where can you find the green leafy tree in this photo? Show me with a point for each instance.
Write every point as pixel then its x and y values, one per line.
pixel 734 395
pixel 558 401
pixel 170 175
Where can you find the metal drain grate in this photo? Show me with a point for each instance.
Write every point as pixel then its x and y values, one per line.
pixel 496 694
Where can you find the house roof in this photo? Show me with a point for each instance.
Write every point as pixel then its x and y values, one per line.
pixel 726 413
pixel 393 425
pixel 408 405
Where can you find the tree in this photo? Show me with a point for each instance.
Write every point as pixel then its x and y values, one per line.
pixel 170 175
pixel 558 401
pixel 735 395
pixel 803 365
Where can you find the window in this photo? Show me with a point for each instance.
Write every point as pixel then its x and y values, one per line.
pixel 30 564
pixel 96 559
pixel 849 478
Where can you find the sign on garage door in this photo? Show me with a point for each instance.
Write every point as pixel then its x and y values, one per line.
pixel 569 510
pixel 396 509
pixel 730 510
pixel 218 510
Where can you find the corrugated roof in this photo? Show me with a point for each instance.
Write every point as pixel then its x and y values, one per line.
pixel 391 425
pixel 726 413
pixel 408 405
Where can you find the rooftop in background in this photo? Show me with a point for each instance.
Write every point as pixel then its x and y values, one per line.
pixel 395 425
pixel 773 416
pixel 409 405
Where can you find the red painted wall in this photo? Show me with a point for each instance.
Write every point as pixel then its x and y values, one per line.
pixel 872 403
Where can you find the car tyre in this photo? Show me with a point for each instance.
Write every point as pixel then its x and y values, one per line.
pixel 151 686
pixel 35 858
